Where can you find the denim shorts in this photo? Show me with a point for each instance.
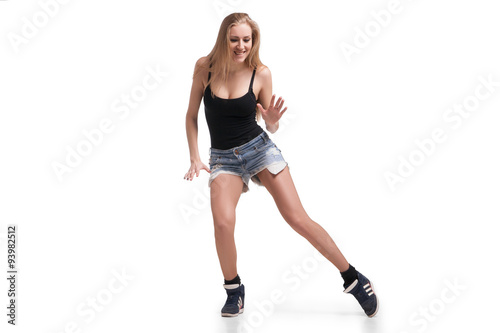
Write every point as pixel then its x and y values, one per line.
pixel 247 160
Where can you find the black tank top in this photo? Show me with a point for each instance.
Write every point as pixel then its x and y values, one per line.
pixel 231 122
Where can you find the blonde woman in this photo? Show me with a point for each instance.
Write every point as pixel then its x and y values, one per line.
pixel 237 90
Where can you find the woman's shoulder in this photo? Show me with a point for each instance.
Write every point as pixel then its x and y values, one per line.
pixel 201 69
pixel 263 70
pixel 202 62
pixel 263 73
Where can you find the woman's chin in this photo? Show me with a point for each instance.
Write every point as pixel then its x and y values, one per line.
pixel 239 60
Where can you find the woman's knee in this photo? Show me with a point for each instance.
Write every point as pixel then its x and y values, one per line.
pixel 298 221
pixel 224 223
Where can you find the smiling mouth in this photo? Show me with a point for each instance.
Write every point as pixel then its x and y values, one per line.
pixel 240 53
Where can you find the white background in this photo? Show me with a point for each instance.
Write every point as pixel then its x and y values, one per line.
pixel 126 208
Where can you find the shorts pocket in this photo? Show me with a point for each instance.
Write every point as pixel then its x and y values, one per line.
pixel 214 159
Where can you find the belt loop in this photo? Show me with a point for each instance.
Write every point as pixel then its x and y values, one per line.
pixel 265 137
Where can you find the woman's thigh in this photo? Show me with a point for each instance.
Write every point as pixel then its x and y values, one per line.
pixel 225 192
pixel 284 193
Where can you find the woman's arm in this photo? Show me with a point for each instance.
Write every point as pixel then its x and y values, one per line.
pixel 266 98
pixel 192 123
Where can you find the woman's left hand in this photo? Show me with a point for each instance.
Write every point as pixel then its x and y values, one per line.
pixel 273 113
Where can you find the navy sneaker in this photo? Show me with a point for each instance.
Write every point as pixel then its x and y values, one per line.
pixel 235 300
pixel 362 290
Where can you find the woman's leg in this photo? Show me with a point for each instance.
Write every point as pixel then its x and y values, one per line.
pixel 225 192
pixel 285 195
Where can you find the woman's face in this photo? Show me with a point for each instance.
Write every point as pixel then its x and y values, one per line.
pixel 240 41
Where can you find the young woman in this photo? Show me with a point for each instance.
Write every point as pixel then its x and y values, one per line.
pixel 237 90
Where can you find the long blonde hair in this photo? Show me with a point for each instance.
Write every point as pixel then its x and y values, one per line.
pixel 219 58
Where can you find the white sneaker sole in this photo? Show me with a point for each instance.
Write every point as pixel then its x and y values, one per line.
pixel 232 314
pixel 374 293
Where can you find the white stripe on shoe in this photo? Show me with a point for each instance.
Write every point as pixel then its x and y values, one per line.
pixel 351 287
pixel 368 289
pixel 231 286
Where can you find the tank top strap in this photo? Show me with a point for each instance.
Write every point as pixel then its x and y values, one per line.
pixel 251 81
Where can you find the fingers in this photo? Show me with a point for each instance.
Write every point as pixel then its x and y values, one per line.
pixel 281 113
pixel 271 104
pixel 206 168
pixel 195 171
pixel 280 103
pixel 190 174
pixel 261 108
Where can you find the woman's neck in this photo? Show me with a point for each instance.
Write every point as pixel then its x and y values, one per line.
pixel 236 68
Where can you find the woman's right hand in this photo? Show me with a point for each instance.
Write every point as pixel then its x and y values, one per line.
pixel 195 169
